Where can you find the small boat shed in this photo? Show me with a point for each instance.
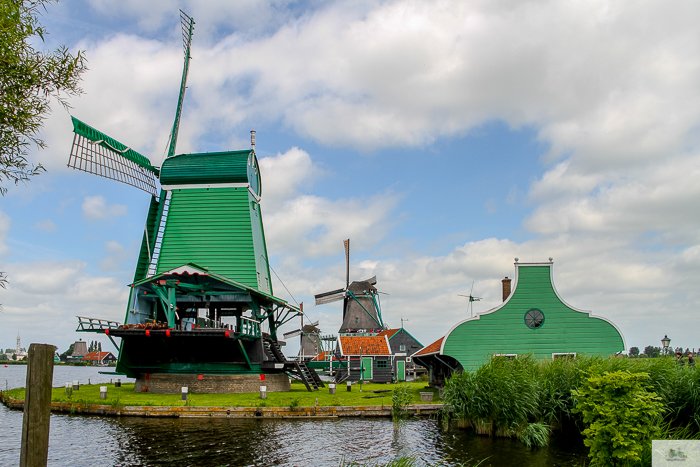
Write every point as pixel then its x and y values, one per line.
pixel 533 319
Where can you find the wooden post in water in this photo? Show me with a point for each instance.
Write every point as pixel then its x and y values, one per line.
pixel 37 406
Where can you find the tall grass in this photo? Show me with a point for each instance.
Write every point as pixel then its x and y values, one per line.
pixel 527 398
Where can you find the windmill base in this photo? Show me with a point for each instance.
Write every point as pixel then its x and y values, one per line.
pixel 210 384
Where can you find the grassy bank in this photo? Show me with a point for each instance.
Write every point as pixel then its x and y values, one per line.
pixel 297 397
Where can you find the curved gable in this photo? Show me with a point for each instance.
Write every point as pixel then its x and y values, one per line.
pixel 503 330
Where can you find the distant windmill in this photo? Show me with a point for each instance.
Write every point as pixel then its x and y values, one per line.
pixel 361 308
pixel 472 299
pixel 310 342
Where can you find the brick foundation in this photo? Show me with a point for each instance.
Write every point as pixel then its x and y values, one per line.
pixel 211 384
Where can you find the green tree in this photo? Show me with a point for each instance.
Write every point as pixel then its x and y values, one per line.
pixel 64 355
pixel 634 351
pixel 651 351
pixel 621 414
pixel 29 81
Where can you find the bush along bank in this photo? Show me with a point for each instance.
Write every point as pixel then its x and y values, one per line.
pixel 529 399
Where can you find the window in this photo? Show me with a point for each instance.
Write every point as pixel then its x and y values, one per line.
pixel 382 364
pixel 402 347
pixel 509 356
pixel 534 318
pixel 563 355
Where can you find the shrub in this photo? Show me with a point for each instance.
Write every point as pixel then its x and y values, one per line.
pixel 621 416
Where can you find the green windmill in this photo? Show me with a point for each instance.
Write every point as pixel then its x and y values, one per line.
pixel 201 312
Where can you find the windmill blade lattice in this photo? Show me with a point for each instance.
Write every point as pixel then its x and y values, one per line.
pixel 96 153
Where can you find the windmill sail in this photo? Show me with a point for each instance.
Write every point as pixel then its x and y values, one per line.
pixel 187 24
pixel 96 153
pixel 328 297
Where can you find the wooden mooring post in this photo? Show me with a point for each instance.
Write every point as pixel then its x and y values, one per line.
pixel 37 406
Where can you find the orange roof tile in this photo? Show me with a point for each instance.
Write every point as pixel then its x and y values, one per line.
pixel 373 345
pixel 389 333
pixel 322 356
pixel 430 349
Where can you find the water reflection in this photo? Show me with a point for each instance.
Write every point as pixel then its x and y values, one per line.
pixel 78 440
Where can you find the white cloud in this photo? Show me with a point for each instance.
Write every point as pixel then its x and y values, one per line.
pixel 95 208
pixel 47 225
pixel 43 299
pixel 302 225
pixel 284 174
pixel 117 255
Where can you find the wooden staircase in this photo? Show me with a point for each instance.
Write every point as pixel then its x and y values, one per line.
pixel 296 369
pixel 308 376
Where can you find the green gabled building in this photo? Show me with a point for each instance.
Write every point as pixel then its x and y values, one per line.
pixel 533 319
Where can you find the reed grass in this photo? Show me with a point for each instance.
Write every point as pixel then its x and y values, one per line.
pixel 527 398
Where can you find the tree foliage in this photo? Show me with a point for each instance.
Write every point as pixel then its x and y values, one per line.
pixel 634 351
pixel 29 81
pixel 621 416
pixel 651 351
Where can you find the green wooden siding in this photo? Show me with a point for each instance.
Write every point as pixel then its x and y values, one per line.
pixel 504 331
pixel 214 167
pixel 212 228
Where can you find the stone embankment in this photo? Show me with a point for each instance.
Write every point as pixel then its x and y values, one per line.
pixel 226 412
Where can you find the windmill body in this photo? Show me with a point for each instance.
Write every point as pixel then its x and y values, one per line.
pixel 361 308
pixel 201 306
pixel 360 313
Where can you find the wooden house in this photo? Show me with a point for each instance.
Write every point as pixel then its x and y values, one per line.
pixel 533 319
pixel 367 358
pixel 99 358
pixel 402 346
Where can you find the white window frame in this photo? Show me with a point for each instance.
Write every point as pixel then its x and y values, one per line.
pixel 507 355
pixel 563 354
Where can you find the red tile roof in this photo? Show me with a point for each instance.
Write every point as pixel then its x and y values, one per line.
pixel 430 349
pixel 372 345
pixel 98 356
pixel 389 333
pixel 322 357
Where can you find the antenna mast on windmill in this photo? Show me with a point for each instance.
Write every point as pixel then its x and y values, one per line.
pixel 472 299
pixel 361 307
pixel 203 257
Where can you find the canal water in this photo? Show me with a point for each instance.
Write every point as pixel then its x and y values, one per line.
pixel 78 440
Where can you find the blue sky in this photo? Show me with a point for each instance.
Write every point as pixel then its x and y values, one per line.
pixel 444 139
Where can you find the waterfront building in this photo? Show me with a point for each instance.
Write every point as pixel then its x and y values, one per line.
pixel 19 352
pixel 99 358
pixel 366 358
pixel 80 349
pixel 533 319
pixel 402 346
pixel 201 311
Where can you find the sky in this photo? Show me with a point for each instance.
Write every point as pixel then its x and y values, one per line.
pixel 444 138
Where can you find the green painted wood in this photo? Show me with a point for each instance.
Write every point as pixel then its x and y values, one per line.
pixel 215 167
pixel 216 228
pixel 112 144
pixel 401 371
pixel 504 331
pixel 366 368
